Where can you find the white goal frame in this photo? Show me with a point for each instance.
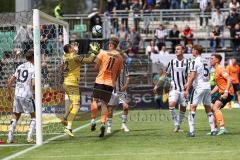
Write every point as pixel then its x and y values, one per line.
pixel 38 19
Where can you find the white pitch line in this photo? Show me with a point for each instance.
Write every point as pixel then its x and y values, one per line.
pixel 15 145
pixel 49 140
pixel 132 154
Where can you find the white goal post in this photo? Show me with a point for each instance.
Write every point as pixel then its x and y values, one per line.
pixel 38 19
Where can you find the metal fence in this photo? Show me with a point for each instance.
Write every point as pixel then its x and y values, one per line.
pixel 147 22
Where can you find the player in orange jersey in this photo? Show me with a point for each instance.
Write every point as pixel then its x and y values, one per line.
pixel 109 65
pixel 225 89
pixel 233 70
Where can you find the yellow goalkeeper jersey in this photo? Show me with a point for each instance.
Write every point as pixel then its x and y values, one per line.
pixel 72 64
pixel 71 69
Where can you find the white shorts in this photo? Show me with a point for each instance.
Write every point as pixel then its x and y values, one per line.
pixel 118 98
pixel 23 105
pixel 201 96
pixel 177 97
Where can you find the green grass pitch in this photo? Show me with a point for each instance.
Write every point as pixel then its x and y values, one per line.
pixel 151 137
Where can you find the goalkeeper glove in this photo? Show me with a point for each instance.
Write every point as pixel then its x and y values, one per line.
pixel 94 48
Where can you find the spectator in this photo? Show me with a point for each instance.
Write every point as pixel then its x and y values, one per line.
pixel 58 11
pixel 45 73
pixel 188 48
pixel 236 38
pixel 151 49
pixel 234 4
pixel 44 40
pixel 184 4
pixel 146 21
pixel 136 7
pixel 163 51
pixel 231 21
pixel 110 5
pixel 187 35
pixel 123 35
pixel 106 26
pixel 162 4
pixel 149 5
pixel 95 18
pixel 24 38
pixel 218 20
pixel 160 36
pixel 214 36
pixel 161 88
pixel 204 7
pixel 218 3
pixel 174 4
pixel 135 39
pixel 234 71
pixel 174 35
pixel 124 6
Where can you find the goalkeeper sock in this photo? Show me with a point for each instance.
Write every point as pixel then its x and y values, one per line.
pixel 211 121
pixel 109 122
pixel 174 116
pixel 191 121
pixel 31 128
pixel 181 117
pixel 70 106
pixel 94 109
pixel 72 115
pixel 124 118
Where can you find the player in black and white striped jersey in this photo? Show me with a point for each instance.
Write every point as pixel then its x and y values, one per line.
pixel 119 98
pixel 178 71
pixel 23 97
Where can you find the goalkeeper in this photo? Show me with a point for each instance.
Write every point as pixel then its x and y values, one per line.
pixel 71 67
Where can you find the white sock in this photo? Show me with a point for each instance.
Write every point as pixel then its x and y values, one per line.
pixel 124 118
pixel 211 121
pixel 69 126
pixel 174 116
pixel 93 121
pixel 13 125
pixel 191 121
pixel 181 117
pixel 32 127
pixel 222 128
pixel 109 122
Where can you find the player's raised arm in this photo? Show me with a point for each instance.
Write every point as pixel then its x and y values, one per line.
pixel 94 49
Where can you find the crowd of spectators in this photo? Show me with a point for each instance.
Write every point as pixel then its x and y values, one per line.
pixel 217 23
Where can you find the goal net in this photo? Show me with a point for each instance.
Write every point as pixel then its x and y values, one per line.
pixel 19 33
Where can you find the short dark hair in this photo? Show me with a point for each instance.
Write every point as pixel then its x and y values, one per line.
pixel 30 55
pixel 218 56
pixel 114 41
pixel 179 45
pixel 66 48
pixel 198 47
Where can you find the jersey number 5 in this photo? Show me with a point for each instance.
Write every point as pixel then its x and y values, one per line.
pixel 206 70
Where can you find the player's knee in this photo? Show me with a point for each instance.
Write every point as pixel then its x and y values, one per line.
pixel 125 107
pixel 172 104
